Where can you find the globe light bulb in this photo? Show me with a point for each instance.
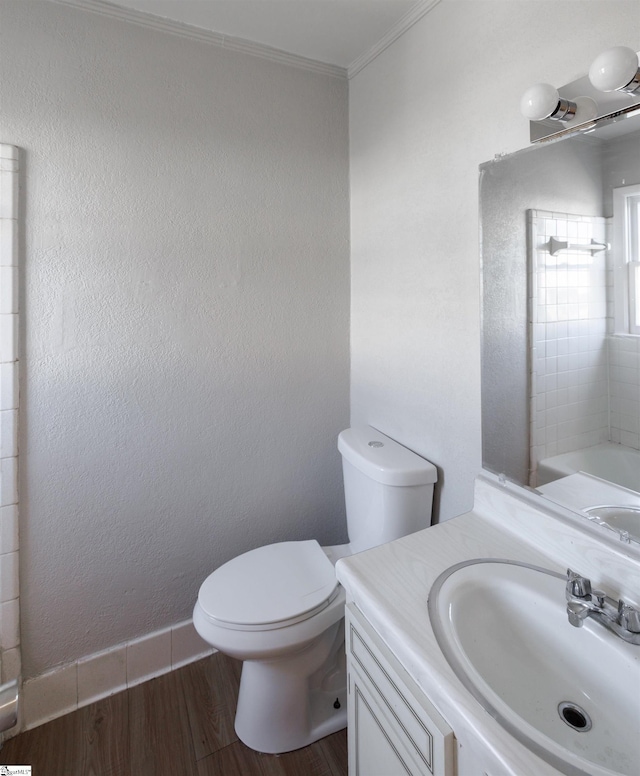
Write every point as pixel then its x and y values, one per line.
pixel 586 112
pixel 539 102
pixel 616 69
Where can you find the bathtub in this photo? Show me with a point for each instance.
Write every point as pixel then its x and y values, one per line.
pixel 609 461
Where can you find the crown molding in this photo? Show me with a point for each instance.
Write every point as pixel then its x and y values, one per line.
pixel 154 22
pixel 402 25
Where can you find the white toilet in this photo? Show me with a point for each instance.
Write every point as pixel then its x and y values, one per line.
pixel 280 608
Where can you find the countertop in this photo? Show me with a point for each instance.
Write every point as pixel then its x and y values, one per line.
pixel 390 585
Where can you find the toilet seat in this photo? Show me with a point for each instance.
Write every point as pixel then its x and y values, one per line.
pixel 270 587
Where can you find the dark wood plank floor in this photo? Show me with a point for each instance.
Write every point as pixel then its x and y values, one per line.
pixel 180 724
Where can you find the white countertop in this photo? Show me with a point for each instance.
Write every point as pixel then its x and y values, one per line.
pixel 390 585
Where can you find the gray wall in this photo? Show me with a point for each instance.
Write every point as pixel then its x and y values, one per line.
pixel 185 351
pixel 187 286
pixel 423 115
pixel 621 163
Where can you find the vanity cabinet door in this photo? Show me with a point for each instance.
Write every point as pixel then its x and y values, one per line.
pixel 375 749
pixel 393 728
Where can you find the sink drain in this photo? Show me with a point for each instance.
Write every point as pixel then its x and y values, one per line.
pixel 574 716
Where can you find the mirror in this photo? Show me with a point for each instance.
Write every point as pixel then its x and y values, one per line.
pixel 560 373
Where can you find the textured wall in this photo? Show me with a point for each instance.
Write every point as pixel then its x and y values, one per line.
pixel 186 338
pixel 423 115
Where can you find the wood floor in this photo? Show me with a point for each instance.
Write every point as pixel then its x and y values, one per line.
pixel 180 724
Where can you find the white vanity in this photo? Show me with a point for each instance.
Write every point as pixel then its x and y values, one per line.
pixel 410 712
pixel 393 727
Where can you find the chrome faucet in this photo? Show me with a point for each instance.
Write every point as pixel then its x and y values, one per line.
pixel 583 602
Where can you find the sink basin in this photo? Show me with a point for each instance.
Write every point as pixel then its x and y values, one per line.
pixel 571 695
pixel 619 518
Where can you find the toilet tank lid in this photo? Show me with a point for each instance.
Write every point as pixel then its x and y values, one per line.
pixel 383 459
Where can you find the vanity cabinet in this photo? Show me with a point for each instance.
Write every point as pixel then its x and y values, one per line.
pixel 394 730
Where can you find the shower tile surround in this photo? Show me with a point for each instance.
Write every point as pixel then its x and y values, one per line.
pixel 9 600
pixel 585 380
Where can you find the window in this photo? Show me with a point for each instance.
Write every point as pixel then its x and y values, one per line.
pixel 626 225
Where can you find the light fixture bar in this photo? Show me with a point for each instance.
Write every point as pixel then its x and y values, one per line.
pixel 617 76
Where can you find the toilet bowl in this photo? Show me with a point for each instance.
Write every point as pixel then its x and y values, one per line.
pixel 280 609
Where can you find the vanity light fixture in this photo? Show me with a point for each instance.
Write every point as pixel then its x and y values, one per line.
pixel 543 101
pixel 616 69
pixel 609 92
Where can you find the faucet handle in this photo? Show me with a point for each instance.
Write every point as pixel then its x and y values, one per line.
pixel 577 585
pixel 628 617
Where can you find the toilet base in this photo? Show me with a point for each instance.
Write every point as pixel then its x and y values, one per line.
pixel 277 740
pixel 287 704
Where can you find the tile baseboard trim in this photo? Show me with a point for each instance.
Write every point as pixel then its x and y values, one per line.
pixel 89 679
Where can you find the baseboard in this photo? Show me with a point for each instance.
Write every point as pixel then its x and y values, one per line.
pixel 72 686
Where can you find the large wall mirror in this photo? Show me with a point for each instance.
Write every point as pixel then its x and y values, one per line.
pixel 560 248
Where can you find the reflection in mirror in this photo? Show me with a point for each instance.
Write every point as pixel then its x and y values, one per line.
pixel 561 316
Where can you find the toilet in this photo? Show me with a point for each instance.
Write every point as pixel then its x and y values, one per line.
pixel 280 609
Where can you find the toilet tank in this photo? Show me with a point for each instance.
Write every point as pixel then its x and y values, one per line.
pixel 388 488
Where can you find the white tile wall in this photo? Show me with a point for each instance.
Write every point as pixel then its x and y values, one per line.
pixel 8 482
pixel 97 676
pixel 9 598
pixel 585 380
pixel 10 664
pixel 10 624
pixel 568 317
pixel 8 529
pixel 8 242
pixel 8 578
